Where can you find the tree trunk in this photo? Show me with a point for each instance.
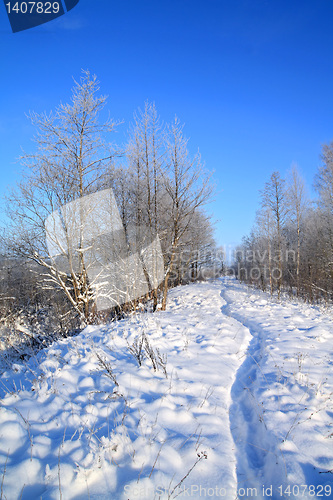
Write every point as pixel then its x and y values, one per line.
pixel 166 279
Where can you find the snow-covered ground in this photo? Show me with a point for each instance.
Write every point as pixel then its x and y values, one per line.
pixel 240 405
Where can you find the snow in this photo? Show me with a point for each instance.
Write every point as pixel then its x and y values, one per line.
pixel 240 405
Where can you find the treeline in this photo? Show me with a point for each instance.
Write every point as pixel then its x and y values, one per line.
pixel 290 247
pixel 156 183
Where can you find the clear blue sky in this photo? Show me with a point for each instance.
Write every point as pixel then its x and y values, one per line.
pixel 251 80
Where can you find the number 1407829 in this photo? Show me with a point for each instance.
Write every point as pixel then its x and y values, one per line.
pixel 33 7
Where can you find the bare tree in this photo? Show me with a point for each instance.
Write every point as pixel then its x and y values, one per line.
pixel 188 188
pixel 297 206
pixel 324 187
pixel 145 154
pixel 69 163
pixel 288 220
pixel 274 199
pixel 265 239
pixel 324 180
pixel 167 188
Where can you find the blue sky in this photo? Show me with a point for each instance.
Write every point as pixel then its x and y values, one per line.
pixel 251 80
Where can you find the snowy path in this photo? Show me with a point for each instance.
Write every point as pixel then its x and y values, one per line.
pixel 282 411
pixel 247 402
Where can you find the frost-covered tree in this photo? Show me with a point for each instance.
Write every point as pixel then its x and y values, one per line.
pixel 145 153
pixel 293 236
pixel 298 205
pixel 69 162
pixel 324 187
pixel 187 187
pixel 166 189
pixel 76 189
pixel 274 201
